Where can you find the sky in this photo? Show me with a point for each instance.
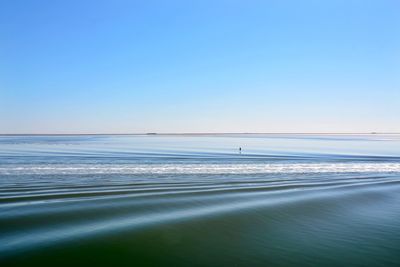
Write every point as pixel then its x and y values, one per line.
pixel 125 66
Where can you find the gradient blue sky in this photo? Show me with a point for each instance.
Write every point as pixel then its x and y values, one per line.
pixel 199 66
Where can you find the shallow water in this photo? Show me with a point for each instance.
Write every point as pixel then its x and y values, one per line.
pixel 195 200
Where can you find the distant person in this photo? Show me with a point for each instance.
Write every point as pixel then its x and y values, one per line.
pixel 240 150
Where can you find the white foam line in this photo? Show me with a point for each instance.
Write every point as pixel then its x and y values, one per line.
pixel 210 168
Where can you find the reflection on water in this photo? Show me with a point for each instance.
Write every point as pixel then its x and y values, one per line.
pixel 140 200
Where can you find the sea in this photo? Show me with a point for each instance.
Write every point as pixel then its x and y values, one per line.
pixel 200 200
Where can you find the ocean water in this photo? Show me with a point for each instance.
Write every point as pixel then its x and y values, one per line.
pixel 196 200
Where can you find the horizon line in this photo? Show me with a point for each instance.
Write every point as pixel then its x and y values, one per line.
pixel 193 133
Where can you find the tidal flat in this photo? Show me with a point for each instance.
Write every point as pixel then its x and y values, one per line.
pixel 197 200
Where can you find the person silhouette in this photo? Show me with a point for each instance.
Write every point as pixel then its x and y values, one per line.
pixel 240 150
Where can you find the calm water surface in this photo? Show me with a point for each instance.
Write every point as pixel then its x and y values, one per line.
pixel 187 200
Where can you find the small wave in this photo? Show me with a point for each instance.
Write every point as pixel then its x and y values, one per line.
pixel 230 168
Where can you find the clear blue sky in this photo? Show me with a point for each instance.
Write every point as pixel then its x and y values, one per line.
pixel 199 66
